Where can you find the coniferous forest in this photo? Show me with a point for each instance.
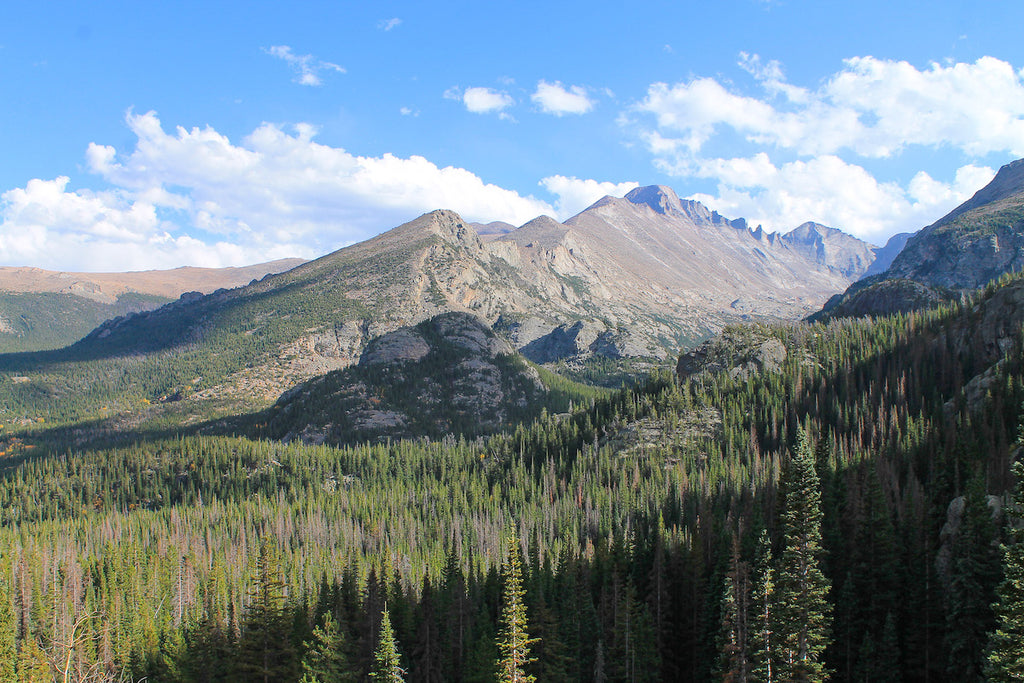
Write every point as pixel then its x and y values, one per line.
pixel 851 514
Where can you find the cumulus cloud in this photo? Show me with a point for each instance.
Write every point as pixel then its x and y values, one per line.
pixel 872 107
pixel 307 68
pixel 554 98
pixel 480 100
pixel 192 196
pixel 388 24
pixel 831 191
pixel 802 142
pixel 574 194
pixel 45 224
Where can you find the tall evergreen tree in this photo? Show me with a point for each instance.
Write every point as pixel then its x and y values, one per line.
pixel 803 612
pixel 1006 643
pixel 974 574
pixel 734 645
pixel 513 639
pixel 8 643
pixel 387 665
pixel 265 651
pixel 326 659
pixel 762 621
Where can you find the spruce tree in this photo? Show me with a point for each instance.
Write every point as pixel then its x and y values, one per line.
pixel 974 575
pixel 733 636
pixel 1006 643
pixel 326 660
pixel 803 612
pixel 265 651
pixel 513 639
pixel 386 661
pixel 8 645
pixel 762 621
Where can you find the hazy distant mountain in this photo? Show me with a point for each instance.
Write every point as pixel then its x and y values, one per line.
pixel 884 255
pixel 106 287
pixel 43 309
pixel 975 243
pixel 832 248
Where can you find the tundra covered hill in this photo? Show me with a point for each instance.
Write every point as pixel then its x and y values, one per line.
pixel 639 276
pixel 46 309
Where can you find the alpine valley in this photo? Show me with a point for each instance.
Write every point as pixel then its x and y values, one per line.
pixel 608 449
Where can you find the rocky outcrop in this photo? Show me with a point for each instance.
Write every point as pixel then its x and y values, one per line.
pixel 738 351
pixel 881 296
pixel 449 374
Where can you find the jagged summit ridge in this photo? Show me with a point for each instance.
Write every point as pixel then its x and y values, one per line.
pixel 664 200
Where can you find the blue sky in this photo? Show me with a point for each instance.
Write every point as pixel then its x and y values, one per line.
pixel 141 135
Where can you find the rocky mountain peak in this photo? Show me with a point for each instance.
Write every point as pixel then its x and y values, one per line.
pixel 663 200
pixel 447 225
pixel 660 198
pixel 811 231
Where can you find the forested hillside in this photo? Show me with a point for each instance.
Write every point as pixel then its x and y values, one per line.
pixel 809 498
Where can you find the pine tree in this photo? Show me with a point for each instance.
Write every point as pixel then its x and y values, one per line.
pixel 8 644
pixel 974 574
pixel 733 646
pixel 762 599
pixel 513 640
pixel 265 651
pixel 1006 643
pixel 803 611
pixel 386 661
pixel 326 660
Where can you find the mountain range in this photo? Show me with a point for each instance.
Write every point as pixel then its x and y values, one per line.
pixel 635 277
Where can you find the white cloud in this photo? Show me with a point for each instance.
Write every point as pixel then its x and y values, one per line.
pixel 575 194
pixel 408 111
pixel 872 107
pixel 194 197
pixel 307 68
pixel 486 100
pixel 44 224
pixel 553 98
pixel 829 190
pixel 388 24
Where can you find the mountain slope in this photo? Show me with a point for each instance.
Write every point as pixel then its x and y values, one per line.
pixel 41 309
pixel 977 242
pixel 832 248
pixel 639 276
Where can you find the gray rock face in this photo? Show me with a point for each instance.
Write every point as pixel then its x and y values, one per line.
pixel 832 248
pixel 976 242
pixel 951 532
pixel 402 345
pixel 565 341
pixel 449 374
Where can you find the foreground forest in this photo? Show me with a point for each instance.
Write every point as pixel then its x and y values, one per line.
pixel 837 513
